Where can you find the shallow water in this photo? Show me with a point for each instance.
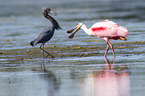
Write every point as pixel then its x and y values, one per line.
pixel 22 20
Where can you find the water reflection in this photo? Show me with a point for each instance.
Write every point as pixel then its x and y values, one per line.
pixel 50 78
pixel 108 62
pixel 33 81
pixel 110 81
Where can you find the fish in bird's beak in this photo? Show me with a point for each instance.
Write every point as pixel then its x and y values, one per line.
pixel 74 30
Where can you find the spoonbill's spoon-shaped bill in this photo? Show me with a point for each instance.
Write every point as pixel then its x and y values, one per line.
pixel 74 30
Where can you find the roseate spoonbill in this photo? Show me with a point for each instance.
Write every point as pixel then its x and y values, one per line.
pixel 104 30
pixel 47 33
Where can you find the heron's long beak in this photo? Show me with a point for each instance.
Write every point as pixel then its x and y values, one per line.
pixel 74 30
pixel 51 12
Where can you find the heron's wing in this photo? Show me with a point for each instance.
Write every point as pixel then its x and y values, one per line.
pixel 44 32
pixel 45 35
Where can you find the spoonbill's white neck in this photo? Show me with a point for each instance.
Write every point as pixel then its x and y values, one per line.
pixel 88 31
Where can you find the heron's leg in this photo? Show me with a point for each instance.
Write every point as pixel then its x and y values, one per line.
pixel 107 48
pixel 42 48
pixel 45 50
pixel 112 49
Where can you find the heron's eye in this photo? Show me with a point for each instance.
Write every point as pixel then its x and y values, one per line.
pixel 48 10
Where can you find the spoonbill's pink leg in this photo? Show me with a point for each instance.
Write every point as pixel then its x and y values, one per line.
pixel 107 48
pixel 112 49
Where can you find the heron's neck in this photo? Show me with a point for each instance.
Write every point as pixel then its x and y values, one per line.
pixel 88 31
pixel 52 20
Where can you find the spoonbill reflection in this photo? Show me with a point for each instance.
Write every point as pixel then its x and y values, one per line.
pixel 109 81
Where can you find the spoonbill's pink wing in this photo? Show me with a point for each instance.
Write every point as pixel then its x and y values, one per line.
pixel 105 29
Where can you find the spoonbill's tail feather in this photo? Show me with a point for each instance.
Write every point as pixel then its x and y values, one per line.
pixel 122 31
pixel 123 38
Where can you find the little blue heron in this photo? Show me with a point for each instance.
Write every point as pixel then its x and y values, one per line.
pixel 47 33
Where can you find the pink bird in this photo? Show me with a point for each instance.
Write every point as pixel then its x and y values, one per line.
pixel 104 30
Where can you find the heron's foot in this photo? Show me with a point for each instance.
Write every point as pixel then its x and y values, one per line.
pixel 50 56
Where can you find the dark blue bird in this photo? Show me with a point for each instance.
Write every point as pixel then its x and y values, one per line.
pixel 47 33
